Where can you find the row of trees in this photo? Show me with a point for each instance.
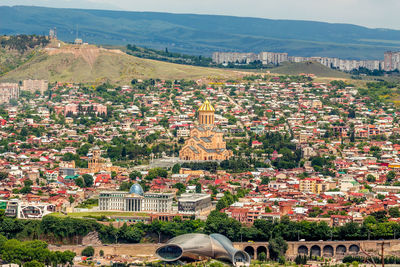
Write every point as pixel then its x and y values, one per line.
pixel 70 230
pixel 32 253
pixel 23 42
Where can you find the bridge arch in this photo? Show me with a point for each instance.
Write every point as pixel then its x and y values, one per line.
pixel 354 249
pixel 328 251
pixel 262 249
pixel 341 250
pixel 302 250
pixel 316 251
pixel 250 251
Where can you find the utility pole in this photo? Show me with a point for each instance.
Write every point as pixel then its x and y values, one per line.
pixel 383 252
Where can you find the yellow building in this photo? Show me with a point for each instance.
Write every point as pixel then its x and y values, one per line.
pixel 206 140
pixel 96 163
pixel 312 185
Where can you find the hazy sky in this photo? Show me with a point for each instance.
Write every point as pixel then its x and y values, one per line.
pixel 370 13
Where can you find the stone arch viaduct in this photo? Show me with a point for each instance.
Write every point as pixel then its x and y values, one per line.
pixel 327 249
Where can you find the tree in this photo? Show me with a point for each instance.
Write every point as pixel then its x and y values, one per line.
pixel 380 216
pixel 198 188
pixel 80 182
pixel 352 113
pixel 28 182
pixel 71 199
pixel 88 251
pixel 181 188
pixel 301 259
pixel 262 256
pixel 34 263
pixel 394 212
pixel 90 138
pixel 277 247
pixel 88 179
pixel 3 175
pixel 390 176
pixel 265 180
pixel 26 189
pixel 371 178
pixel 135 174
pixel 218 222
pixel 155 173
pixel 352 137
pixel 176 168
pixel 380 197
pixel 222 204
pixel 125 186
pixel 101 253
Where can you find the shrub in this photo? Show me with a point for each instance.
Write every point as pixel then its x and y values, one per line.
pixel 88 251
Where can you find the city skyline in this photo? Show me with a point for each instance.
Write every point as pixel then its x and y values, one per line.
pixel 373 14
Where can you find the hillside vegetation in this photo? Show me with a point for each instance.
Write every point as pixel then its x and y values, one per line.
pixel 16 50
pixel 202 34
pixel 72 63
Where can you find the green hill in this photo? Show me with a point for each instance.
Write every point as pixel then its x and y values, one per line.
pixel 16 50
pixel 72 63
pixel 202 34
pixel 308 68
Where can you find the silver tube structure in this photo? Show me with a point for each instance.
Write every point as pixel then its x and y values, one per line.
pixel 214 246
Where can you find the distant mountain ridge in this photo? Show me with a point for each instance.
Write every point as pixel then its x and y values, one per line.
pixel 202 34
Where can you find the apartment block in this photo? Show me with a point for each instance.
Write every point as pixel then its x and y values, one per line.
pixel 8 91
pixel 35 85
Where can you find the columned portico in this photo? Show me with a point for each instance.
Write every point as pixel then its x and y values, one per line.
pixel 133 204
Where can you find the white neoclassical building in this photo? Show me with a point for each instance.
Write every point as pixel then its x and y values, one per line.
pixel 135 200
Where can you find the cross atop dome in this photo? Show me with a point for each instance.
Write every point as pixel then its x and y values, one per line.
pixel 207 107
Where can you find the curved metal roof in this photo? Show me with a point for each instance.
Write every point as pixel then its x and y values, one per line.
pixel 214 246
pixel 136 189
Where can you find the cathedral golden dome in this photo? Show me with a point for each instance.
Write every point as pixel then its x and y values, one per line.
pixel 206 106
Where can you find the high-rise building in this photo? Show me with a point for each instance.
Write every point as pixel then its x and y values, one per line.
pixel 8 91
pixel 233 57
pixel 273 58
pixel 392 61
pixel 35 85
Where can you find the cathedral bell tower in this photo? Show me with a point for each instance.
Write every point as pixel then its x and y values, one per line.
pixel 206 114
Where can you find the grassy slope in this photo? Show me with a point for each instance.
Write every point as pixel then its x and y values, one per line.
pixel 116 68
pixel 309 67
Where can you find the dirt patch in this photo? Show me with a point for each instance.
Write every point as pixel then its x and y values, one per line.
pixel 89 53
pixel 91 238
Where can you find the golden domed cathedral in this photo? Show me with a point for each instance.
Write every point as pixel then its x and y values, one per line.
pixel 206 140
